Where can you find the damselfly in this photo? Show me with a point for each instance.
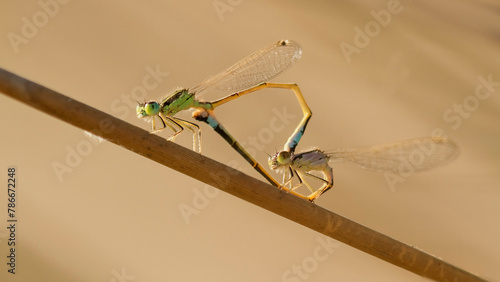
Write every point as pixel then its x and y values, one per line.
pixel 399 158
pixel 246 76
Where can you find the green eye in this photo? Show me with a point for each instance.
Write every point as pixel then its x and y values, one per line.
pixel 151 108
pixel 279 160
pixel 283 157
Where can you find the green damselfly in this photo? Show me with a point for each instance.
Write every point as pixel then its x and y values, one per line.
pixel 400 157
pixel 246 76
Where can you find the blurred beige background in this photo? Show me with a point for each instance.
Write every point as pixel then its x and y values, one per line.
pixel 115 216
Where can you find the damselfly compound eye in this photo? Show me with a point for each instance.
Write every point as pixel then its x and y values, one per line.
pixel 283 157
pixel 152 108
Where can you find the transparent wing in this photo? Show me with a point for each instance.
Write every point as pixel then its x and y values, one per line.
pixel 255 69
pixel 415 155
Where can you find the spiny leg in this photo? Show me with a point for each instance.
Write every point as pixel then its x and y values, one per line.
pixel 319 192
pixel 294 139
pixel 300 177
pixel 193 128
pixel 166 120
pixel 287 180
pixel 328 173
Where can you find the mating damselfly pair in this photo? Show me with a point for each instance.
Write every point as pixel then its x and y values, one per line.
pixel 252 74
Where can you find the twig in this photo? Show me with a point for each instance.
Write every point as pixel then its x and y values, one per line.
pixel 229 180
